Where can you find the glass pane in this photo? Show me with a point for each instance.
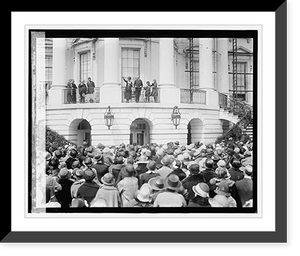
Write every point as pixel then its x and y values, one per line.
pixel 136 63
pixel 136 54
pixel 124 53
pixel 124 63
pixel 135 72
pixel 130 54
pixel 130 63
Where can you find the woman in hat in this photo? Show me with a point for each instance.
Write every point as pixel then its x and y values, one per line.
pixel 128 89
pixel 142 164
pixel 64 195
pixel 157 185
pixel 235 172
pixel 108 191
pixel 201 191
pixel 145 177
pixel 223 196
pixel 171 197
pixel 128 186
pixel 142 199
pixel 165 170
pixel 100 167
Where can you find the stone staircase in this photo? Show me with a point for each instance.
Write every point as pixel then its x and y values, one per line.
pixel 249 129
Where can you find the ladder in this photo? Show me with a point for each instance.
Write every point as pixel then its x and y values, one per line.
pixel 234 65
pixel 191 52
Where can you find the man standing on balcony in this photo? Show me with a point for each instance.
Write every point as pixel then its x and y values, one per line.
pixel 82 91
pixel 91 86
pixel 138 85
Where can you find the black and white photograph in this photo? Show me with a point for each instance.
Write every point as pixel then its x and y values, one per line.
pixel 133 121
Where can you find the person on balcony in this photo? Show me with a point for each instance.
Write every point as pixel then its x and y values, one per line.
pixel 154 92
pixel 69 91
pixel 82 91
pixel 128 89
pixel 147 91
pixel 90 86
pixel 73 91
pixel 138 85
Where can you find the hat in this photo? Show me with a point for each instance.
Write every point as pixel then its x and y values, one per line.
pixel 144 193
pixel 221 163
pixel 156 183
pixel 172 182
pixel 169 151
pixel 129 169
pixel 88 174
pixel 64 173
pixel 248 170
pixel 98 157
pixel 108 179
pixel 78 172
pixel 88 161
pixel 47 156
pixel 222 173
pixel 194 168
pixel 142 160
pixel 236 163
pixel 209 151
pixel 201 189
pixel 209 163
pixel 151 165
pixel 222 189
pixel 166 160
pixel 220 201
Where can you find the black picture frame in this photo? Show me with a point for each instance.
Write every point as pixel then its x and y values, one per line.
pixel 277 236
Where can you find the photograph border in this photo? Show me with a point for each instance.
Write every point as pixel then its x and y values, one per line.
pixel 280 233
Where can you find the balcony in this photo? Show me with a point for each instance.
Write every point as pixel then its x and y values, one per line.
pixel 72 96
pixel 193 96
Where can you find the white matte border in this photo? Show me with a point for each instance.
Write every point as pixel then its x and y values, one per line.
pixel 22 21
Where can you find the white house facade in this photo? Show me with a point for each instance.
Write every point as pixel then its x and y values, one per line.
pixel 196 75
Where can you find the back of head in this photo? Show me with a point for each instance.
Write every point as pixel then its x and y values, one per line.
pixel 194 168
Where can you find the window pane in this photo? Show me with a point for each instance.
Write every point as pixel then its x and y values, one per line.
pixel 130 54
pixel 130 63
pixel 136 54
pixel 124 53
pixel 136 63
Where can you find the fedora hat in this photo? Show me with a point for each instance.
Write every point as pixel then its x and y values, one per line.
pixel 144 193
pixel 201 189
pixel 166 160
pixel 221 163
pixel 108 179
pixel 98 157
pixel 156 183
pixel 64 173
pixel 151 165
pixel 129 169
pixel 172 182
pixel 88 174
pixel 222 173
pixel 223 189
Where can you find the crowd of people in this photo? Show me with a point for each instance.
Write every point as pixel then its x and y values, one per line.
pixel 169 175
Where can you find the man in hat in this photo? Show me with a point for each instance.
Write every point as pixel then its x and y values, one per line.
pixel 90 86
pixel 194 178
pixel 157 185
pixel 145 177
pixel 234 171
pixel 79 180
pixel 165 170
pixel 171 197
pixel 100 167
pixel 108 191
pixel 138 85
pixel 89 188
pixel 245 185
pixel 201 191
pixel 128 186
pixel 64 195
pixel 177 164
pixel 142 164
pixel 72 158
pixel 116 167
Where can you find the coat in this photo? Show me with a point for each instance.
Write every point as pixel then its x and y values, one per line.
pixel 128 187
pixel 91 87
pixel 64 195
pixel 88 191
pixel 235 174
pixel 244 189
pixel 101 170
pixel 189 182
pixel 110 194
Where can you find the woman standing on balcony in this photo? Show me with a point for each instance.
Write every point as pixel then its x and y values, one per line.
pixel 128 89
pixel 73 92
pixel 154 92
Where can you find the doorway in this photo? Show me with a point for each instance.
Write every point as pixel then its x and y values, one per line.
pixel 195 131
pixel 140 132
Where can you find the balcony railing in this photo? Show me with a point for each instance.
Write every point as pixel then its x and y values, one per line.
pixel 153 98
pixel 237 107
pixel 192 96
pixel 73 96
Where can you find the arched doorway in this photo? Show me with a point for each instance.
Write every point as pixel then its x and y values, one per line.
pixel 80 132
pixel 140 131
pixel 195 131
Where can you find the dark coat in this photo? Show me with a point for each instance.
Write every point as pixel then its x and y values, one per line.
pixel 244 189
pixel 91 87
pixel 101 169
pixel 180 173
pixel 88 191
pixel 189 182
pixel 236 174
pixel 199 202
pixel 138 84
pixel 64 195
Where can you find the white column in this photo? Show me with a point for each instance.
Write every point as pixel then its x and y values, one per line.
pixel 110 91
pixel 206 76
pixel 222 68
pixel 59 80
pixel 169 93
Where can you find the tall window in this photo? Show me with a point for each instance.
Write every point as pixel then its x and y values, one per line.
pixel 241 80
pixel 85 66
pixel 130 62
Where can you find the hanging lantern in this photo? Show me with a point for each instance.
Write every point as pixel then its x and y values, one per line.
pixel 109 118
pixel 176 116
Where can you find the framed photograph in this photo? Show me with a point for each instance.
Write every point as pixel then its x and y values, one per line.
pixel 158 123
